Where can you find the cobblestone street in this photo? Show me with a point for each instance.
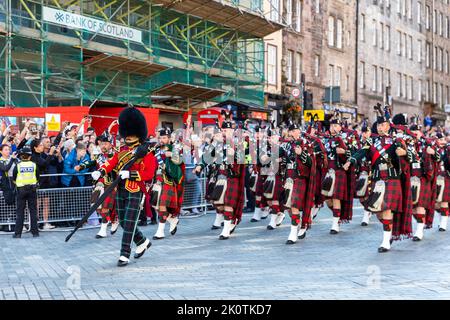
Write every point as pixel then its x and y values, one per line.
pixel 253 264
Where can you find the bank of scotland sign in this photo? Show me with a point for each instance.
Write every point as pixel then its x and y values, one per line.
pixel 76 21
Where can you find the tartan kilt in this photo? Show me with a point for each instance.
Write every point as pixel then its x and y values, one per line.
pixel 299 191
pixel 260 185
pixel 426 195
pixel 259 194
pixel 169 196
pixel 446 196
pixel 340 186
pixel 393 196
pixel 110 201
pixel 232 193
pixel 318 197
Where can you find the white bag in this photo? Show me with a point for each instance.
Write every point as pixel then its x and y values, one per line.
pixel 270 181
pixel 288 187
pixel 440 184
pixel 363 181
pixel 415 184
pixel 330 178
pixel 376 198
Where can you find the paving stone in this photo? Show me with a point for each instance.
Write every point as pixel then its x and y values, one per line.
pixel 253 264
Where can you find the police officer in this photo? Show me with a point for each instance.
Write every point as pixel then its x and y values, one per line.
pixel 26 176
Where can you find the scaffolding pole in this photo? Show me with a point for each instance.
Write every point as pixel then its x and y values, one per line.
pixel 8 102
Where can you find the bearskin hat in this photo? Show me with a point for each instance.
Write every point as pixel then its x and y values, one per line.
pixel 165 132
pixel 336 117
pixel 293 125
pixel 132 123
pixel 399 119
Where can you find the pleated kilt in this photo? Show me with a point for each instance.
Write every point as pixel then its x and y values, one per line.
pixel 393 196
pixel 340 186
pixel 169 197
pixel 318 197
pixel 446 196
pixel 110 200
pixel 299 193
pixel 261 201
pixel 232 193
pixel 298 190
pixel 426 194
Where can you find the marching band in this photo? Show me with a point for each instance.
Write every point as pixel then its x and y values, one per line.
pixel 397 170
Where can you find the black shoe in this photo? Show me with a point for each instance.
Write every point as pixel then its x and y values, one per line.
pixel 382 250
pixel 290 242
pixel 364 224
pixel 232 230
pixel 17 236
pixel 254 220
pixel 153 222
pixel 157 238
pixel 416 239
pixel 35 235
pixel 121 263
pixel 214 227
pixel 223 238
pixel 269 227
pixel 333 231
pixel 142 223
pixel 441 229
pixel 176 228
pixel 303 236
pixel 248 210
pixel 138 255
pixel 100 237
pixel 222 224
pixel 279 224
pixel 264 218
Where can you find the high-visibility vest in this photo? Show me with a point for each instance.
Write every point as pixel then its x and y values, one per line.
pixel 26 174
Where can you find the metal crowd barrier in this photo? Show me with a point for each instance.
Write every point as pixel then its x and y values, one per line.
pixel 67 204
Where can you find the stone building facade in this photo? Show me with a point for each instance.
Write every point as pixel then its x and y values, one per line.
pixel 402 56
pixel 320 44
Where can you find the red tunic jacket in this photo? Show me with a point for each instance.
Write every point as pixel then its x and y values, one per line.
pixel 142 170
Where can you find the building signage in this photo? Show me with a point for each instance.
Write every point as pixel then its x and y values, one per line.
pixel 318 115
pixel 53 121
pixel 258 115
pixel 76 21
pixel 296 93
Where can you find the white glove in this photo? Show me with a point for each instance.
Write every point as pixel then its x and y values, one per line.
pixel 96 175
pixel 124 174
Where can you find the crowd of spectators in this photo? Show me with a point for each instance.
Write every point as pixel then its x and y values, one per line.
pixel 58 157
pixel 64 161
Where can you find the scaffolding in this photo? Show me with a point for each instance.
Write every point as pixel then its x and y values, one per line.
pixel 193 56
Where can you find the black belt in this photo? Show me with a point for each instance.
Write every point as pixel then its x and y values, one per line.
pixel 392 173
